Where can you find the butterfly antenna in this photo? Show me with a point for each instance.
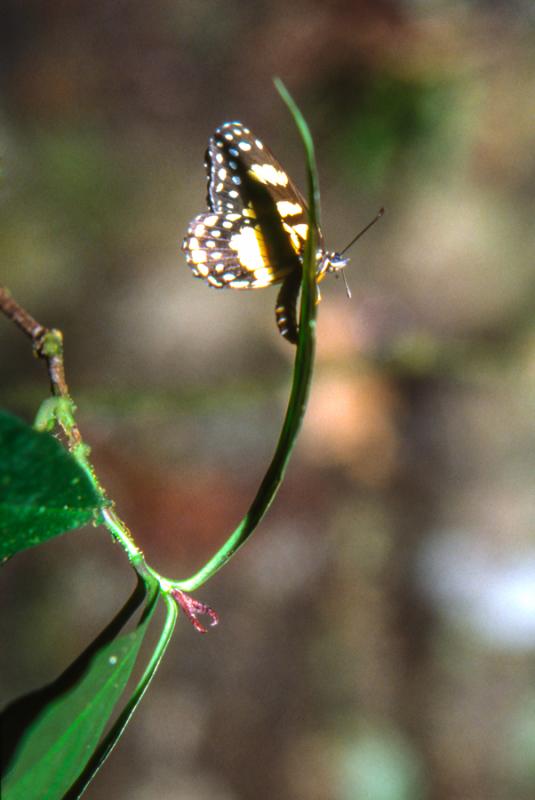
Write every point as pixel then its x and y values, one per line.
pixel 362 232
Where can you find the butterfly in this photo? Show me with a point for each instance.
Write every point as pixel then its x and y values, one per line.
pixel 255 230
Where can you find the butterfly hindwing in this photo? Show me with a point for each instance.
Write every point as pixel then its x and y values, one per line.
pixel 228 249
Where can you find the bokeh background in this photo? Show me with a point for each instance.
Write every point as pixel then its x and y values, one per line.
pixel 377 634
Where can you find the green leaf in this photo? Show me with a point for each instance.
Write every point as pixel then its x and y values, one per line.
pixel 43 490
pixel 17 718
pixel 110 740
pixel 63 739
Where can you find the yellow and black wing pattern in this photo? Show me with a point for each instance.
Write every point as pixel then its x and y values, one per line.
pixel 254 232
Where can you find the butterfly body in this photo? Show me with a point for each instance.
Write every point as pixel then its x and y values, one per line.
pixel 255 230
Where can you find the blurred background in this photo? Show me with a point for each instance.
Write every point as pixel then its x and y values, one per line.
pixel 377 635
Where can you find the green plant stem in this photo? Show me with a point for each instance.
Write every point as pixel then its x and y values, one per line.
pixel 122 535
pixel 304 362
pixel 302 375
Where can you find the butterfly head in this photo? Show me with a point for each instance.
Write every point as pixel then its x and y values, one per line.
pixel 331 262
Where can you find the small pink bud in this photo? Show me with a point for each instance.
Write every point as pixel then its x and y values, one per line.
pixel 193 608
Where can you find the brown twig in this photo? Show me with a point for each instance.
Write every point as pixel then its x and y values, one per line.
pixel 48 345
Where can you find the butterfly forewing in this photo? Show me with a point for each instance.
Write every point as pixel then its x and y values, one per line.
pixel 232 146
pixel 234 158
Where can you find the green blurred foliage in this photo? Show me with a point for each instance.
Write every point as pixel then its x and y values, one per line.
pixel 394 118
